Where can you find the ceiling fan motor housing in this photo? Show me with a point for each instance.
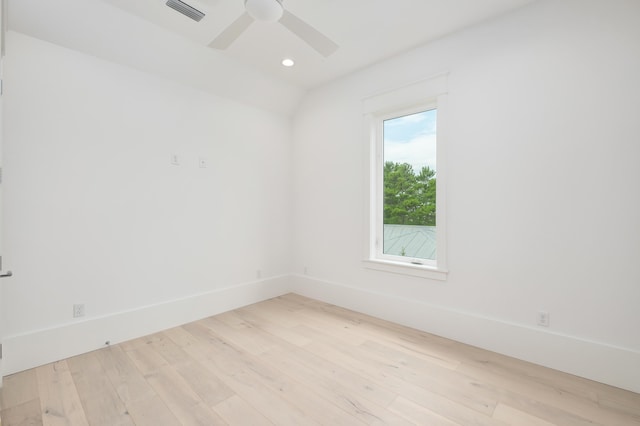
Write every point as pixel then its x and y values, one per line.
pixel 264 10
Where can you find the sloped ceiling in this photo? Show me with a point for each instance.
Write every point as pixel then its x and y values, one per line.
pixel 148 35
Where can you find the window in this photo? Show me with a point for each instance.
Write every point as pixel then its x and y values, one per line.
pixel 408 188
pixel 405 210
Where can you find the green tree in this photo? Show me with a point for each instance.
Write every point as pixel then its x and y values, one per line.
pixel 409 198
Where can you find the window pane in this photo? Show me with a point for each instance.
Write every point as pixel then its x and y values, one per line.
pixel 409 185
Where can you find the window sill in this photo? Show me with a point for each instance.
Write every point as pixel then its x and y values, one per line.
pixel 407 269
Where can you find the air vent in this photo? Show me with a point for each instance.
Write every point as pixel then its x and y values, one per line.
pixel 185 9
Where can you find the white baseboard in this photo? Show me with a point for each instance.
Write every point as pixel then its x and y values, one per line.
pixel 597 361
pixel 32 349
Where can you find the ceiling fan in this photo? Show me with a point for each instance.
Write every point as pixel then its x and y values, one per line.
pixel 273 11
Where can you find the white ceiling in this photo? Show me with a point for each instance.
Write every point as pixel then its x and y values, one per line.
pixel 148 35
pixel 366 30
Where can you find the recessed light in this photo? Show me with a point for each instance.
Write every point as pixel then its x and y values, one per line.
pixel 288 62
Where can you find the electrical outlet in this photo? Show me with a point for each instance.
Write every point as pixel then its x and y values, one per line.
pixel 202 163
pixel 175 160
pixel 543 319
pixel 78 310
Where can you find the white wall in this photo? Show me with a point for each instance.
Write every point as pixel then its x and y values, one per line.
pixel 543 201
pixel 96 214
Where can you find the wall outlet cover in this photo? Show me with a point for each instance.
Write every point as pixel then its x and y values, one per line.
pixel 78 310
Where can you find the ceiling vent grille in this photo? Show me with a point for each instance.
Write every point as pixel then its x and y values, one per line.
pixel 185 9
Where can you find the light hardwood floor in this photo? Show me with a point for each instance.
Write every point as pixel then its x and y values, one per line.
pixel 296 361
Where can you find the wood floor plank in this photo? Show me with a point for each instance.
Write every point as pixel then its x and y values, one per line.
pixel 27 414
pixel 123 374
pixel 298 361
pixel 151 410
pixel 271 327
pixel 481 385
pixel 19 388
pixel 414 342
pixel 314 404
pixel 183 402
pixel 333 389
pixel 205 384
pixel 209 387
pixel 502 365
pixel 292 302
pixel 418 414
pixel 167 349
pixel 310 366
pixel 268 402
pixel 274 313
pixel 379 329
pixel 429 399
pixel 453 384
pixel 513 416
pixel 340 329
pixel 618 400
pixel 235 411
pixel 375 369
pixel 241 334
pixel 548 396
pixel 145 358
pixel 263 398
pixel 327 372
pixel 140 400
pixel 59 400
pixel 99 399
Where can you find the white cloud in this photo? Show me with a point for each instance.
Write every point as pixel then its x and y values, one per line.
pixel 419 151
pixel 407 119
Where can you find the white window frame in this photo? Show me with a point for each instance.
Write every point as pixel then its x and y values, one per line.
pixel 421 96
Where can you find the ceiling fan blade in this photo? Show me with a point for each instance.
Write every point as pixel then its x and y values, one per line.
pixel 232 32
pixel 314 38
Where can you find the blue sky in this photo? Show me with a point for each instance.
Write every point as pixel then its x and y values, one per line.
pixel 411 139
